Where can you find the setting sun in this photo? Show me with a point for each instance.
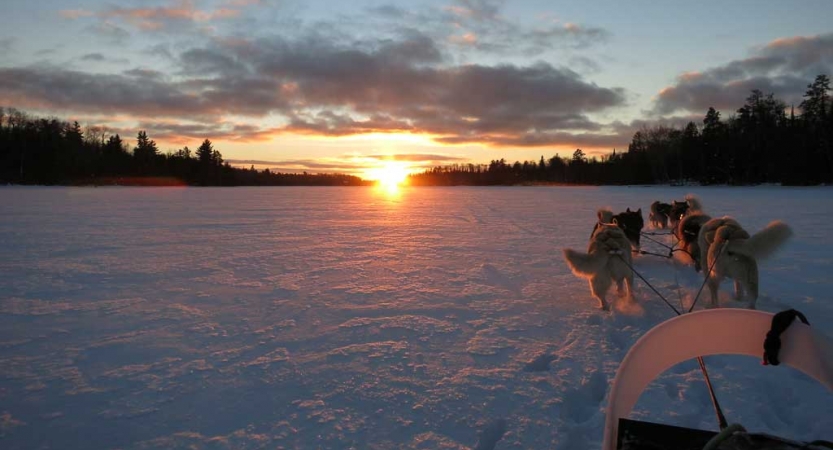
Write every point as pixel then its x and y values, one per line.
pixel 391 175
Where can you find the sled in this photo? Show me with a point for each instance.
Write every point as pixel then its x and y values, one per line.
pixel 704 333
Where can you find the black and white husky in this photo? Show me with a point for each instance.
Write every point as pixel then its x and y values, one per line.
pixel 608 259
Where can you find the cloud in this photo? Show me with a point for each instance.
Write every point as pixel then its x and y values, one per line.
pixel 350 165
pixel 110 32
pixel 168 17
pixel 321 85
pixel 37 87
pixel 98 57
pixel 101 58
pixel 193 133
pixel 784 67
pixel 415 157
pixel 477 10
pixel 479 25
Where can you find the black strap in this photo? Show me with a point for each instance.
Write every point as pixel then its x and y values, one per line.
pixel 772 343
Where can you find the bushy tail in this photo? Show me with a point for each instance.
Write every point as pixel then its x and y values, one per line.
pixel 584 264
pixel 767 241
pixel 694 202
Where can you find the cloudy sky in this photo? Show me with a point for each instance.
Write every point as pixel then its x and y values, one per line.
pixel 330 86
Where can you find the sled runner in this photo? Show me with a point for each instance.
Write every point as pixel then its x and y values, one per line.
pixel 682 338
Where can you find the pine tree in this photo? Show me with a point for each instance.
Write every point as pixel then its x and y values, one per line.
pixel 205 152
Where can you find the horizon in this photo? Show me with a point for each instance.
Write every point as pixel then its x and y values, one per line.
pixel 308 86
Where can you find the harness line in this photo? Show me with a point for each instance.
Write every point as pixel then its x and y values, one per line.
pixel 721 419
pixel 706 278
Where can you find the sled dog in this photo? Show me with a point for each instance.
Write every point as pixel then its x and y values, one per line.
pixel 730 251
pixel 681 209
pixel 686 233
pixel 608 259
pixel 629 221
pixel 659 214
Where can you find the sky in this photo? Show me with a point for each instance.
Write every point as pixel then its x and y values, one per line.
pixel 327 86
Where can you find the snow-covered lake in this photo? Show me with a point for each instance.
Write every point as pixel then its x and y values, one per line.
pixel 340 318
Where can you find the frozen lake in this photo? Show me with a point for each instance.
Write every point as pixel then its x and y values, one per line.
pixel 355 318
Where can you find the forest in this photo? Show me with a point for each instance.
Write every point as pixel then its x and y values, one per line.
pixel 53 152
pixel 762 142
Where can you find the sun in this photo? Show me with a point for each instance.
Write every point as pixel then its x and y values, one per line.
pixel 391 175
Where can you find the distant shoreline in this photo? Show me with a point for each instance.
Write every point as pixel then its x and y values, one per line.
pixel 168 182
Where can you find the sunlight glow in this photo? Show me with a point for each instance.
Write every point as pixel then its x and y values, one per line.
pixel 390 175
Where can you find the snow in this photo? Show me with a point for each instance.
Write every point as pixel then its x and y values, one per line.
pixel 144 318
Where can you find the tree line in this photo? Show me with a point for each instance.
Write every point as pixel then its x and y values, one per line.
pixel 50 151
pixel 760 143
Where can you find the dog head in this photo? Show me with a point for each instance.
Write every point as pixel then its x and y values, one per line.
pixel 631 223
pixel 678 210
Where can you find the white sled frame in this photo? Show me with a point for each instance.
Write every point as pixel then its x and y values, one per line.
pixel 704 333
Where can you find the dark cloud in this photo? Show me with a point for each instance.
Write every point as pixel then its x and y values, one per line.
pixel 784 67
pixel 93 57
pixel 80 91
pixel 145 73
pixel 194 133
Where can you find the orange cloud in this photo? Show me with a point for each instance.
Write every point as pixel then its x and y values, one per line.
pixel 183 10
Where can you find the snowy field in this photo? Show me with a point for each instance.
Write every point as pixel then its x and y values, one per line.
pixel 336 318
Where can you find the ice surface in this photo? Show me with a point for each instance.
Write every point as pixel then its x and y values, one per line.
pixel 350 318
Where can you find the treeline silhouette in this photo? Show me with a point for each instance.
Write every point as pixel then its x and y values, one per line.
pixel 760 143
pixel 50 151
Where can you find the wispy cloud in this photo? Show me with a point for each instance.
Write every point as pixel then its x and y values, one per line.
pixel 110 32
pixel 100 57
pixel 416 157
pixel 170 17
pixel 784 67
pixel 73 14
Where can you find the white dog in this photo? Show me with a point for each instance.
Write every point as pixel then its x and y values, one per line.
pixel 608 259
pixel 729 251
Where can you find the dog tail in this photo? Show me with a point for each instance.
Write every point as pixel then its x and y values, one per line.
pixel 694 202
pixel 767 241
pixel 584 264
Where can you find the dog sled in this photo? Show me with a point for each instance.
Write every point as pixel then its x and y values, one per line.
pixel 798 345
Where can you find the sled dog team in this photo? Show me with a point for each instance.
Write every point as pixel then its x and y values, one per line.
pixel 719 247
